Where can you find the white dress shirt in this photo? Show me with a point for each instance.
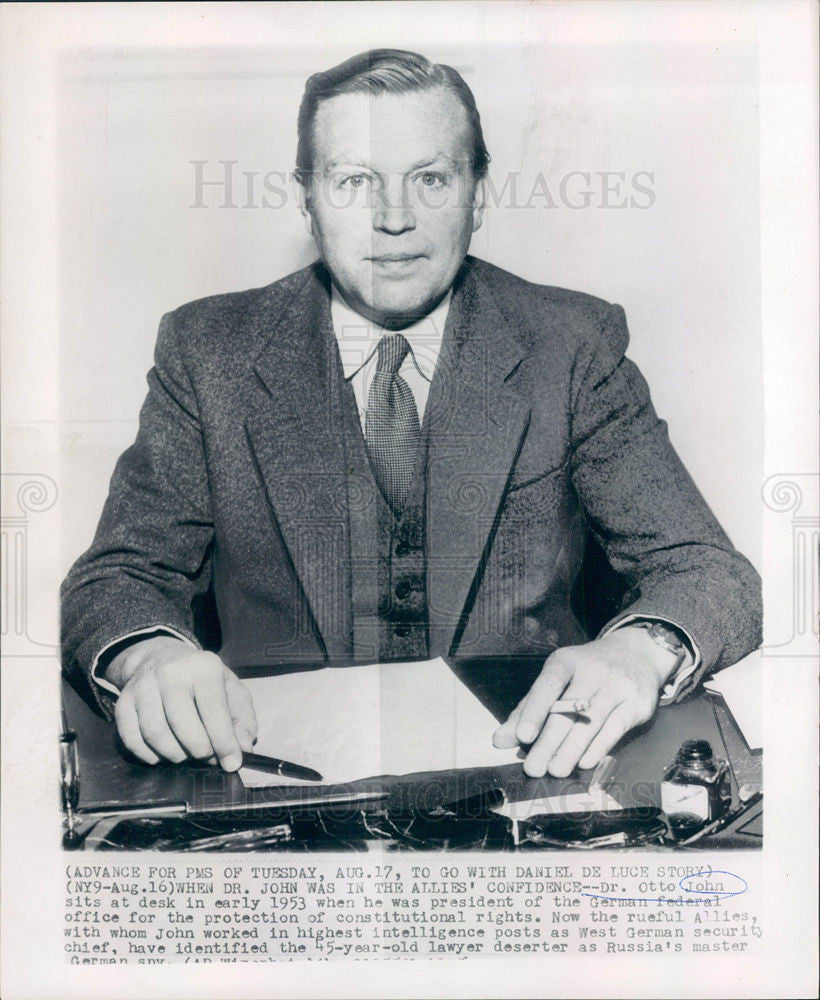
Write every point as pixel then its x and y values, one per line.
pixel 358 338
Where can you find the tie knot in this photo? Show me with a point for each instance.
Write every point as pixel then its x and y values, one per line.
pixel 392 348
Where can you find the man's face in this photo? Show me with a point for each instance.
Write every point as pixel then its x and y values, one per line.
pixel 393 202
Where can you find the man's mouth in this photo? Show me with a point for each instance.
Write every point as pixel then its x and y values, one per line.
pixel 395 258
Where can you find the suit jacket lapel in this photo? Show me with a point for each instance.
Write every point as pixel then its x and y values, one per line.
pixel 476 426
pixel 296 435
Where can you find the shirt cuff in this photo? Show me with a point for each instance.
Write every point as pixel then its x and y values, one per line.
pixel 686 669
pixel 150 630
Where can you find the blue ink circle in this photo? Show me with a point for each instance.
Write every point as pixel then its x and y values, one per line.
pixel 714 892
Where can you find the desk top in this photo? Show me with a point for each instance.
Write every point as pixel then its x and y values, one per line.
pixel 109 777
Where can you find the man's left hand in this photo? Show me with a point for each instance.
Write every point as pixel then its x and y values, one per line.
pixel 620 674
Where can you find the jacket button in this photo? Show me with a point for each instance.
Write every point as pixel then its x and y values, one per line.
pixel 403 589
pixel 402 550
pixel 402 630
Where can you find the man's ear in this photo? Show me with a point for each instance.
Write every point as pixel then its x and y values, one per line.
pixel 479 202
pixel 303 197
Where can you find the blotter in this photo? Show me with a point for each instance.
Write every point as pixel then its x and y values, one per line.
pixel 358 722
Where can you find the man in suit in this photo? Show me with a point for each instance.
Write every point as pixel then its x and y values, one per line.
pixel 398 452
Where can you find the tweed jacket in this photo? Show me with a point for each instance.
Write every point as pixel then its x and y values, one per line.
pixel 540 433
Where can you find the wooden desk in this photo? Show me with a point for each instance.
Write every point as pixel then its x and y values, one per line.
pixel 108 776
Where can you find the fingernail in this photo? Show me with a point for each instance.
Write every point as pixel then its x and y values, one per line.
pixel 527 732
pixel 534 770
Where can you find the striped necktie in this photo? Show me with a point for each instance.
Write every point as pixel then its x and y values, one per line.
pixel 392 423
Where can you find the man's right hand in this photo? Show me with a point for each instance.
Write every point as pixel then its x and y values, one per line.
pixel 177 702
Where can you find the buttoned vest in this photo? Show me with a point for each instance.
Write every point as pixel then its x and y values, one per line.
pixel 388 579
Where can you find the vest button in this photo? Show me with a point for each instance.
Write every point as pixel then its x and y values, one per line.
pixel 403 590
pixel 402 630
pixel 402 550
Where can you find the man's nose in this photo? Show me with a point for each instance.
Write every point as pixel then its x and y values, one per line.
pixel 391 212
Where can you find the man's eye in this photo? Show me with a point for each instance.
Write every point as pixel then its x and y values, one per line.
pixel 354 181
pixel 431 180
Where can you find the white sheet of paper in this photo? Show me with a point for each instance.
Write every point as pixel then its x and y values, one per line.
pixel 740 686
pixel 358 722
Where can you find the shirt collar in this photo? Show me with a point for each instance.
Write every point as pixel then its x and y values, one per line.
pixel 357 337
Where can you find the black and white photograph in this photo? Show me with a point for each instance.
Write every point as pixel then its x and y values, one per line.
pixel 410 537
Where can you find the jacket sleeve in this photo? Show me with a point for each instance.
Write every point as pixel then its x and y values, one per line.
pixel 150 554
pixel 655 527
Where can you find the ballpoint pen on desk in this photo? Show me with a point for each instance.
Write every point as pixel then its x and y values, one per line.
pixel 274 765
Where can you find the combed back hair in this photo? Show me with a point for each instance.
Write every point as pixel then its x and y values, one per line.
pixel 384 71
